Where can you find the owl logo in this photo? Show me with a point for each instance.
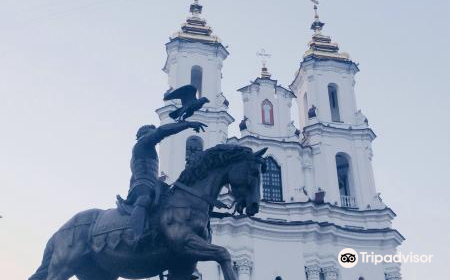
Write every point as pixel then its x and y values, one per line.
pixel 348 258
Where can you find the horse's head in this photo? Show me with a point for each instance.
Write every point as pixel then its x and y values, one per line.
pixel 245 179
pixel 235 165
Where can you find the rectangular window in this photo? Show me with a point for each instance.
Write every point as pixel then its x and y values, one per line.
pixel 334 103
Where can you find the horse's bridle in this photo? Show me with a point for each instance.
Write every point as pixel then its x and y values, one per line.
pixel 212 202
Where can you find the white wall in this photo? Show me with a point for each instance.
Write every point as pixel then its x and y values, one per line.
pixel 282 250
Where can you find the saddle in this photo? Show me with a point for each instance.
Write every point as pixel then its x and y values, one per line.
pixel 113 226
pixel 126 208
pixel 110 228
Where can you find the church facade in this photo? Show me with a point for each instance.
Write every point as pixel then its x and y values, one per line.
pixel 318 194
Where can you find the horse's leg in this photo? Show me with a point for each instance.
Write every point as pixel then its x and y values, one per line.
pixel 70 250
pixel 93 272
pixel 61 274
pixel 59 271
pixel 183 272
pixel 60 268
pixel 201 250
pixel 102 277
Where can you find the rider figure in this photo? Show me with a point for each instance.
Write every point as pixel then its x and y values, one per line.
pixel 145 187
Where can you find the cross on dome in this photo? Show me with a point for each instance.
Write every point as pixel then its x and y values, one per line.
pixel 317 24
pixel 196 9
pixel 264 56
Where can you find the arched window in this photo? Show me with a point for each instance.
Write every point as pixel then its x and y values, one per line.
pixel 194 144
pixel 197 78
pixel 267 112
pixel 334 103
pixel 272 188
pixel 344 180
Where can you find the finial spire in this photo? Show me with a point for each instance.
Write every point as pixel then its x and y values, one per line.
pixel 264 56
pixel 195 27
pixel 317 24
pixel 321 45
pixel 196 9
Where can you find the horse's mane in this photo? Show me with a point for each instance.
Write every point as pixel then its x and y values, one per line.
pixel 199 164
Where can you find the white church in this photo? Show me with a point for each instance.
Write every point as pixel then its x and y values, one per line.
pixel 319 194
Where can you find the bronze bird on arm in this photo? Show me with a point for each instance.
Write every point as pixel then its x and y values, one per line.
pixel 189 102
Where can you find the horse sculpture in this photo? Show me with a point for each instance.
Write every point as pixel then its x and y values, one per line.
pixel 96 244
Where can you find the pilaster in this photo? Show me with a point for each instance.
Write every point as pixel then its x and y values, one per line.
pixel 244 267
pixel 330 273
pixel 312 272
pixel 393 276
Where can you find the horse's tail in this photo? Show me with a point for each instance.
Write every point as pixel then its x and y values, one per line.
pixel 42 272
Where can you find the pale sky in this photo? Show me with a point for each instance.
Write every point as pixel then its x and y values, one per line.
pixel 77 78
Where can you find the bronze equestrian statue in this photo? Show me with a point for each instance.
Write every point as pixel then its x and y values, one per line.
pixel 100 244
pixel 145 188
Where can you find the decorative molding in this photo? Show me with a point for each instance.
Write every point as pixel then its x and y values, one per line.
pixel 307 231
pixel 244 264
pixel 312 272
pixel 250 140
pixel 340 67
pixel 217 116
pixel 330 273
pixel 316 150
pixel 393 276
pixel 307 162
pixel 246 96
pixel 334 130
pixel 369 153
pixel 179 45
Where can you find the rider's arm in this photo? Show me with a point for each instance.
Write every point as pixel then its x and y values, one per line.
pixel 164 131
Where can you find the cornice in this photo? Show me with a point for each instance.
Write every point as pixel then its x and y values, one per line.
pixel 182 43
pixel 201 114
pixel 206 48
pixel 329 208
pixel 316 62
pixel 306 231
pixel 258 81
pixel 250 139
pixel 323 212
pixel 329 129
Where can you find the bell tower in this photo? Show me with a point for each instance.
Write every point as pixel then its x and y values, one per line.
pixel 325 81
pixel 194 56
pixel 332 125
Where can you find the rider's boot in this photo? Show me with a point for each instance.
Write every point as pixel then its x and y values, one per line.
pixel 138 217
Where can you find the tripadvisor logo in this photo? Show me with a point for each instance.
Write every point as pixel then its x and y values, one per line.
pixel 348 258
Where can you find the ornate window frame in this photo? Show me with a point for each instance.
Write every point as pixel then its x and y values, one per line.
pixel 267 120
